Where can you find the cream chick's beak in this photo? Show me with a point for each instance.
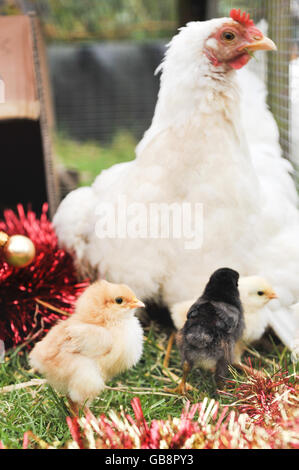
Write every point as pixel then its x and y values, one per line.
pixel 261 43
pixel 271 295
pixel 136 303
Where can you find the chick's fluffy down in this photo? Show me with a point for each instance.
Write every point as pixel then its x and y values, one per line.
pixel 78 357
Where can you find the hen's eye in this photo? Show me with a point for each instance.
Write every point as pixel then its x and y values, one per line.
pixel 119 300
pixel 228 36
pixel 260 292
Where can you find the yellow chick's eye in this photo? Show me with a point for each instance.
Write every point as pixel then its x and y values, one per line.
pixel 119 300
pixel 260 292
pixel 228 36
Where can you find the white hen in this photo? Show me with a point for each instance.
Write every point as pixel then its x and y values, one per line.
pixel 196 150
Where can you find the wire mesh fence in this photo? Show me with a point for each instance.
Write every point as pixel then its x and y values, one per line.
pixel 294 83
pixel 101 88
pixel 280 20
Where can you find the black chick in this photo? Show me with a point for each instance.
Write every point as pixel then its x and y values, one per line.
pixel 214 323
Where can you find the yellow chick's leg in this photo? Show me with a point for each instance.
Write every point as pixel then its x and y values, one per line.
pixel 238 351
pixel 168 350
pixel 182 387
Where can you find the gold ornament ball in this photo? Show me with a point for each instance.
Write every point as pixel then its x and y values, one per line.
pixel 19 251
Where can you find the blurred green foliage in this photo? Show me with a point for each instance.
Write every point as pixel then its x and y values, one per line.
pixel 90 158
pixel 106 19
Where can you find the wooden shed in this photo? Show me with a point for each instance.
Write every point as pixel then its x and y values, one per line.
pixel 26 117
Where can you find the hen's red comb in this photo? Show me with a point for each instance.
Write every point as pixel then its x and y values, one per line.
pixel 242 18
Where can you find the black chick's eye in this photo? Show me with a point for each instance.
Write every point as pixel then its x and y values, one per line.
pixel 228 35
pixel 119 300
pixel 260 292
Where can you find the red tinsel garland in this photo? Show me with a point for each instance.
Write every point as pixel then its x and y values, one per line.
pixel 257 397
pixel 212 428
pixel 51 278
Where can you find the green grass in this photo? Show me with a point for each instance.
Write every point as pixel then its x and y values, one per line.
pixel 41 410
pixel 90 158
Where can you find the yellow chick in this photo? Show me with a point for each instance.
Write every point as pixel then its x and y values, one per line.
pixel 100 340
pixel 255 293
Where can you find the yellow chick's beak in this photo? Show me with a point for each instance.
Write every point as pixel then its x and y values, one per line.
pixel 260 44
pixel 136 303
pixel 272 295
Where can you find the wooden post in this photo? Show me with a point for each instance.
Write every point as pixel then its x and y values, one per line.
pixel 46 112
pixel 279 19
pixel 26 117
pixel 192 10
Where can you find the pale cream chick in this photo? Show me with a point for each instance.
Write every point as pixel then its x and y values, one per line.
pixel 100 340
pixel 255 293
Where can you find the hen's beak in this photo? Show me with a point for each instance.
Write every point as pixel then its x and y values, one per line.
pixel 260 44
pixel 136 303
pixel 272 295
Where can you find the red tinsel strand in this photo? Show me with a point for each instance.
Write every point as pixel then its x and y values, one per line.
pixel 51 278
pixel 75 430
pixel 184 431
pixel 25 440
